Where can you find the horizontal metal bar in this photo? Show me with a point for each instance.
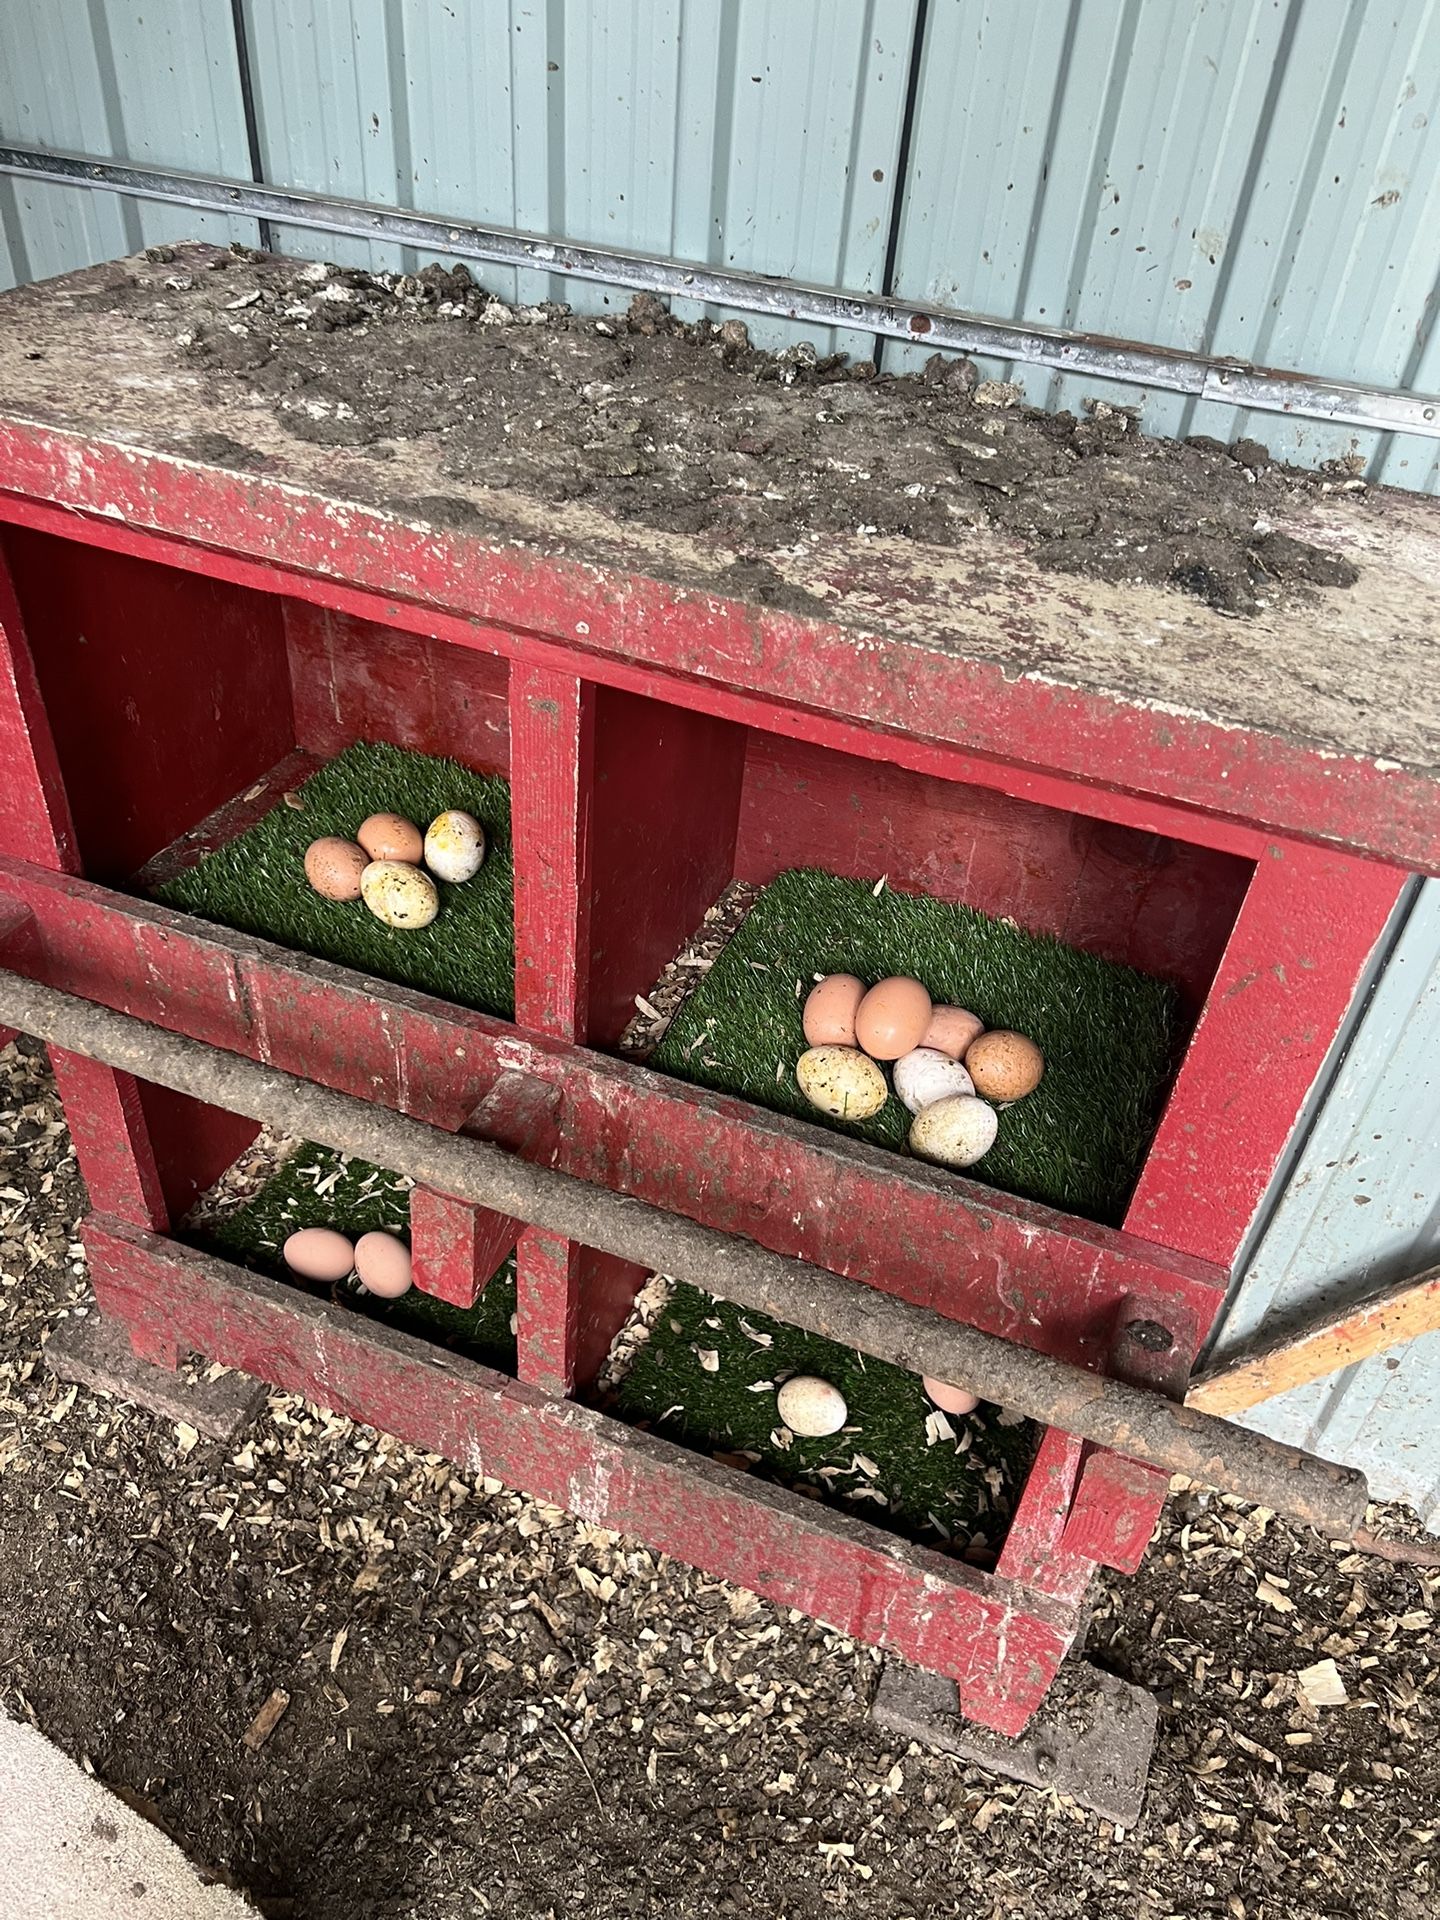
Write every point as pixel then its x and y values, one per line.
pixel 1107 1411
pixel 1203 377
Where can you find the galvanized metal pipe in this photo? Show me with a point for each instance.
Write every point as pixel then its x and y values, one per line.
pixel 1113 1414
pixel 1203 377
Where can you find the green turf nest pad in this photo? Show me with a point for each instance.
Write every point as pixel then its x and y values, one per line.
pixel 1108 1033
pixel 256 882
pixel 707 1378
pixel 317 1187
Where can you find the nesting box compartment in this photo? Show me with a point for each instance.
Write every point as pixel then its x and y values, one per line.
pixel 182 642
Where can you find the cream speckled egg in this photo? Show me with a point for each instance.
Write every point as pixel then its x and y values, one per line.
pixel 954 1132
pixel 454 846
pixel 390 836
pixel 949 1399
pixel 382 1265
pixel 927 1075
pixel 400 895
pixel 811 1407
pixel 842 1082
pixel 319 1253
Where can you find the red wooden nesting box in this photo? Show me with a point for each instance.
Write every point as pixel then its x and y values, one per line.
pixel 195 605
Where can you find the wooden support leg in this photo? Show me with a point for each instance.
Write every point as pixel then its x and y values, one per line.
pixel 458 1246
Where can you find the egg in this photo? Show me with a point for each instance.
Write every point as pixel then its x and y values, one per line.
pixel 400 895
pixel 842 1082
pixel 951 1030
pixel 811 1407
pixel 383 1265
pixel 954 1132
pixel 830 1010
pixel 319 1253
pixel 892 1017
pixel 390 836
pixel 454 846
pixel 333 867
pixel 1003 1065
pixel 948 1398
pixel 927 1075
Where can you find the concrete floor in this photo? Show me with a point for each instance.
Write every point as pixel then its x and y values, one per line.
pixel 69 1850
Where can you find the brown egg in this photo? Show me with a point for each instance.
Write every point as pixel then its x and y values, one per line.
pixel 318 1253
pixel 1004 1065
pixel 952 1030
pixel 389 836
pixel 892 1017
pixel 333 867
pixel 383 1266
pixel 830 1011
pixel 949 1399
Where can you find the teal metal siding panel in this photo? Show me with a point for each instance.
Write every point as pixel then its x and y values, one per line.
pixel 1258 178
pixel 741 133
pixel 1360 1208
pixel 155 82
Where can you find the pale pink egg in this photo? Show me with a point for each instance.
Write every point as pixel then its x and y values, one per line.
pixel 952 1030
pixel 830 1011
pixel 383 1265
pixel 319 1253
pixel 948 1398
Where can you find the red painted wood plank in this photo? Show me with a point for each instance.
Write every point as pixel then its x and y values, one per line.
pixel 1146 813
pixel 998 1641
pixel 1116 1506
pixel 355 679
pixel 35 822
pixel 166 693
pixel 1032 1554
pixel 1304 936
pixel 664 806
pixel 1145 901
pixel 1141 748
pixel 457 1247
pixel 112 1141
pixel 552 731
pixel 943 1241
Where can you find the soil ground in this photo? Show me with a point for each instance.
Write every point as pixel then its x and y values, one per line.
pixel 496 1709
pixel 688 428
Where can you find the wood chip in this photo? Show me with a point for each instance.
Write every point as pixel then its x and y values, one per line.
pixel 266 1720
pixel 1322 1685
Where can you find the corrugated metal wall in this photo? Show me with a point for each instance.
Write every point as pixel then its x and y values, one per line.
pixel 1253 177
pixel 1360 1207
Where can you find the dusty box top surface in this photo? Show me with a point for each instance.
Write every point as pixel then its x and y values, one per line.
pixel 918 514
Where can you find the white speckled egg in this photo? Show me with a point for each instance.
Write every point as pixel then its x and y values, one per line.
pixel 811 1407
pixel 926 1075
pixel 454 846
pixel 954 1132
pixel 400 895
pixel 842 1082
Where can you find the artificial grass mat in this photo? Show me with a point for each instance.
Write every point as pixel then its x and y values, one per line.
pixel 1108 1033
pixel 256 882
pixel 318 1187
pixel 959 1488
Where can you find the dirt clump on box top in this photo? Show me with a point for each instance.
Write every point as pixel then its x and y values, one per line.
pixel 688 428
